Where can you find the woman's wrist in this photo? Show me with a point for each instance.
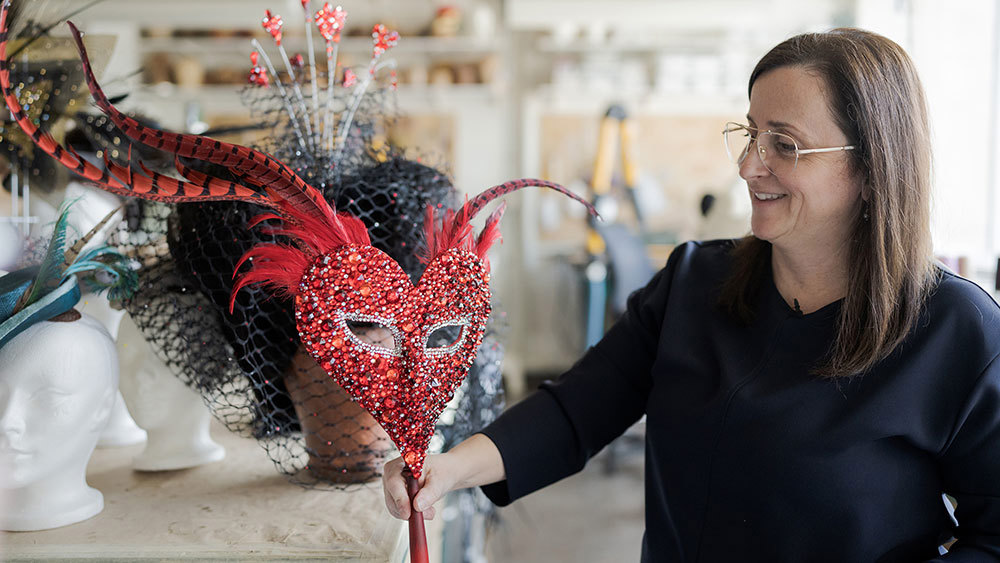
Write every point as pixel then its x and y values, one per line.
pixel 477 461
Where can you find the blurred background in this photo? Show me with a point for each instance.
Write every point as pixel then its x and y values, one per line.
pixel 491 90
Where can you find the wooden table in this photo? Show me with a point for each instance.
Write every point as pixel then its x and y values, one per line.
pixel 237 509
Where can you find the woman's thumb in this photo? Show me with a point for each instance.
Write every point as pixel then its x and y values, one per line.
pixel 428 495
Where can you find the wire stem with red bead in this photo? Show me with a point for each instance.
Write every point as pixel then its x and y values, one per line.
pixel 272 24
pixel 293 118
pixel 330 22
pixel 383 40
pixel 312 67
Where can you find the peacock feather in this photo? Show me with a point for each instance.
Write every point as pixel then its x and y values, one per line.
pixel 99 269
pixel 50 271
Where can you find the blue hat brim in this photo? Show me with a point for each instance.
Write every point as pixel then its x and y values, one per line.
pixel 60 300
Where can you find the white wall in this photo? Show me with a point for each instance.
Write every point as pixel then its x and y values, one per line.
pixel 954 46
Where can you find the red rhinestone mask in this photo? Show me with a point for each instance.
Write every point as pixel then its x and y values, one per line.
pixel 407 384
pixel 434 329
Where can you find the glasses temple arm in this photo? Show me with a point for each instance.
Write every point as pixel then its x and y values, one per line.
pixel 829 149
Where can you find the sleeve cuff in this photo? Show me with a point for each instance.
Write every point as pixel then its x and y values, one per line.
pixel 540 456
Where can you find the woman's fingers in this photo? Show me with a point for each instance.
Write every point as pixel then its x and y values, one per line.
pixel 474 462
pixel 431 490
pixel 394 489
pixel 434 484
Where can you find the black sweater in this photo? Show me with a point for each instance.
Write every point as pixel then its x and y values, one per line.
pixel 751 458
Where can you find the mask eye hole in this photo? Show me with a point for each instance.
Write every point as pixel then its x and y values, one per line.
pixel 446 338
pixel 372 333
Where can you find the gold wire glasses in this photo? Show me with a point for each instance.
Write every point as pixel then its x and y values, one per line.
pixel 778 152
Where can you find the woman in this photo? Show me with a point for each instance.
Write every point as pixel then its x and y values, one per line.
pixel 811 390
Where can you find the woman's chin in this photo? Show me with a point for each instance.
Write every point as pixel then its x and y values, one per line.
pixel 764 230
pixel 768 224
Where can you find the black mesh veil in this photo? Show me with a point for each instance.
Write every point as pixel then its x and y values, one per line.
pixel 248 364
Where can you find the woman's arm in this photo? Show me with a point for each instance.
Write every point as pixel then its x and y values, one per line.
pixel 551 434
pixel 474 462
pixel 970 468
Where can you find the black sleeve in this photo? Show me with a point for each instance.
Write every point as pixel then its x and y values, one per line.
pixel 553 432
pixel 970 467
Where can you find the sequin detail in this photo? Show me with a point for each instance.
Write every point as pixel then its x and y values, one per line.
pixel 450 349
pixel 397 337
pixel 404 390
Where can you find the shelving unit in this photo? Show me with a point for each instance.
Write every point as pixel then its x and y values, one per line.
pixel 461 79
pixel 234 45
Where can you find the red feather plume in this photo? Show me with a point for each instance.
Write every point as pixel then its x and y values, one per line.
pixel 281 266
pixel 455 231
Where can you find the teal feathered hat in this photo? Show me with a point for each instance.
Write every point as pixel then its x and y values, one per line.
pixel 40 292
pixel 54 303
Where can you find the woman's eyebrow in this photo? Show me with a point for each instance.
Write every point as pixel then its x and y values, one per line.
pixel 799 134
pixel 781 125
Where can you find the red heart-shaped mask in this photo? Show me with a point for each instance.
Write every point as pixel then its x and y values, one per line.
pixel 404 387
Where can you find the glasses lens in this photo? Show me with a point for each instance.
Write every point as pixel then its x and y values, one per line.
pixel 778 151
pixel 737 139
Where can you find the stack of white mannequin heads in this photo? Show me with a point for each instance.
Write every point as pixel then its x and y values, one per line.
pixel 150 395
pixel 90 205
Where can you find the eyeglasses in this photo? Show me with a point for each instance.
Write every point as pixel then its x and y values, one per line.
pixel 778 152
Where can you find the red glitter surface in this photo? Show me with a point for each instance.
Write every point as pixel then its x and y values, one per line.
pixel 405 388
pixel 272 24
pixel 383 39
pixel 331 22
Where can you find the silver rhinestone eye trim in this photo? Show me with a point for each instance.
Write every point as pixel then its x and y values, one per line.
pixel 464 323
pixel 397 336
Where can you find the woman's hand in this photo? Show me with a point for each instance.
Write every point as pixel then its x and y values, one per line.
pixel 474 462
pixel 434 484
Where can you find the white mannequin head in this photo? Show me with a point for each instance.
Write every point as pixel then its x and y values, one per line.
pixel 58 382
pixel 90 205
pixel 174 416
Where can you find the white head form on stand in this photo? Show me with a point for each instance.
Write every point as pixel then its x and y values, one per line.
pixel 90 205
pixel 58 382
pixel 174 416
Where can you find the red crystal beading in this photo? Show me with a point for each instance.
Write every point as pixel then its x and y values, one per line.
pixel 349 78
pixel 272 24
pixel 331 22
pixel 407 387
pixel 383 39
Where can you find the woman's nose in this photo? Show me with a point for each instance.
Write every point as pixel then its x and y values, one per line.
pixel 753 164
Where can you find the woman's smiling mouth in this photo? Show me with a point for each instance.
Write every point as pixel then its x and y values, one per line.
pixel 761 196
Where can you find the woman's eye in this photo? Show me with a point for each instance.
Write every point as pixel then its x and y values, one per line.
pixel 785 148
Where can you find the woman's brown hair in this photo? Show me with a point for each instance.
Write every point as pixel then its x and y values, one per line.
pixel 878 102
